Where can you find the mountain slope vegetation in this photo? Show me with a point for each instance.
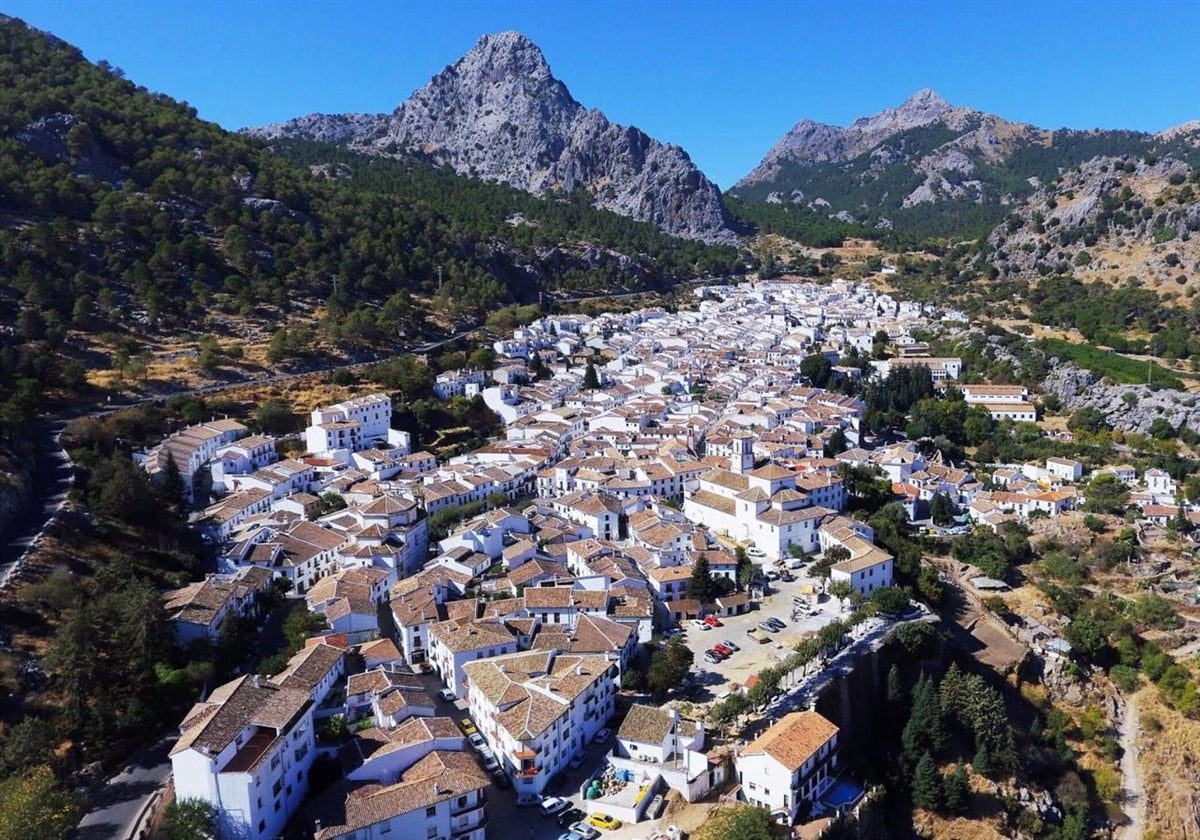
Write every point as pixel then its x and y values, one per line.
pixel 124 218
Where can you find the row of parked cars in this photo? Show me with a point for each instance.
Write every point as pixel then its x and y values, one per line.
pixel 578 825
pixel 772 624
pixel 720 652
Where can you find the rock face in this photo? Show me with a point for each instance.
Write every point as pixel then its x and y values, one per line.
pixel 1079 388
pixel 323 128
pixel 1109 219
pixel 499 114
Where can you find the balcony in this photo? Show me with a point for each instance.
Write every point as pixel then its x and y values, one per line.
pixel 474 805
pixel 467 832
pixel 469 823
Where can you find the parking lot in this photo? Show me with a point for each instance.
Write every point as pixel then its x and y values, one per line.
pixel 753 656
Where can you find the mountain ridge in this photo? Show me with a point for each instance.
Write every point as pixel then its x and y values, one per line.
pixel 499 113
pixel 917 164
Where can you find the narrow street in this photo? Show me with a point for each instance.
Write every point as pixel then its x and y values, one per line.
pixel 116 809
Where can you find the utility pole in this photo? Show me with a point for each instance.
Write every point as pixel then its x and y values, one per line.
pixel 439 268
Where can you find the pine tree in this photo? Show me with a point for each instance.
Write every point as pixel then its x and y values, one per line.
pixel 927 784
pixel 171 486
pixel 957 788
pixel 591 381
pixel 896 696
pixel 924 731
pixel 701 585
pixel 983 761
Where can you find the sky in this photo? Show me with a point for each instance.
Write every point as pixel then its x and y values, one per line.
pixel 724 80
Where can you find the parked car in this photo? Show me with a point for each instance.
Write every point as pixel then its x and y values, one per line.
pixel 569 835
pixel 601 736
pixel 490 764
pixel 552 805
pixel 717 652
pixel 787 577
pixel 768 627
pixel 477 740
pixel 569 816
pixel 771 574
pixel 604 821
pixel 755 551
pixel 578 759
pixel 701 625
pixel 467 726
pixel 711 658
pixel 778 622
pixel 730 645
pixel 501 778
pixel 713 621
pixel 447 695
pixel 724 651
pixel 584 830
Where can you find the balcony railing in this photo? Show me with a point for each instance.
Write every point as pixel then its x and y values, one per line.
pixel 456 810
pixel 463 832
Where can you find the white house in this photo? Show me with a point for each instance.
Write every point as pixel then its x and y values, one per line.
pixel 452 645
pixel 440 796
pixel 793 762
pixel 538 709
pixel 336 431
pixel 247 751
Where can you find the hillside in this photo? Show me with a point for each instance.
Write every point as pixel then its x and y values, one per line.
pixel 129 225
pixel 928 168
pixel 498 113
pixel 1111 220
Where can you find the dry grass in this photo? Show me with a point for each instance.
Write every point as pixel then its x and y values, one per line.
pixel 1169 750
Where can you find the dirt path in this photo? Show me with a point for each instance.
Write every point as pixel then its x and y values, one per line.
pixel 1133 795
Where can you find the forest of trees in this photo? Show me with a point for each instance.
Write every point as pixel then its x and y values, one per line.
pixel 126 217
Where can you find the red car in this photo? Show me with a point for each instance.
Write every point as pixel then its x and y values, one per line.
pixel 724 651
pixel 718 653
pixel 712 621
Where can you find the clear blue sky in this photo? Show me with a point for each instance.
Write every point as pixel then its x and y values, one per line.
pixel 722 79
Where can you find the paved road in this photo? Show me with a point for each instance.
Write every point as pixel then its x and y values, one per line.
pixel 116 809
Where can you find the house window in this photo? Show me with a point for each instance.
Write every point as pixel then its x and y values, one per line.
pixel 430 811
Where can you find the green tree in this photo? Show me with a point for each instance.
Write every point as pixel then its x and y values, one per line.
pixel 591 381
pixel 30 743
pixel 958 791
pixel 738 822
pixel 840 589
pixel 170 485
pixel 891 600
pixel 940 509
pixel 668 666
pixel 924 731
pixel 817 369
pixel 1106 493
pixel 275 417
pixel 35 805
pixel 701 586
pixel 837 443
pixel 927 785
pixel 188 819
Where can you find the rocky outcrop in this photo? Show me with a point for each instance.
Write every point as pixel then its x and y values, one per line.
pixel 1111 218
pixel 1130 408
pixel 64 138
pixel 323 128
pixel 499 114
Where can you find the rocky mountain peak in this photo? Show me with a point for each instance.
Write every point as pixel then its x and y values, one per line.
pixel 505 53
pixel 925 100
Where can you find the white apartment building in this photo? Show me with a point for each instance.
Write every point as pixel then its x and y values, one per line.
pixel 538 709
pixel 459 383
pixel 336 431
pixel 247 751
pixel 794 761
pixel 440 797
pixel 452 645
pixel 191 449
